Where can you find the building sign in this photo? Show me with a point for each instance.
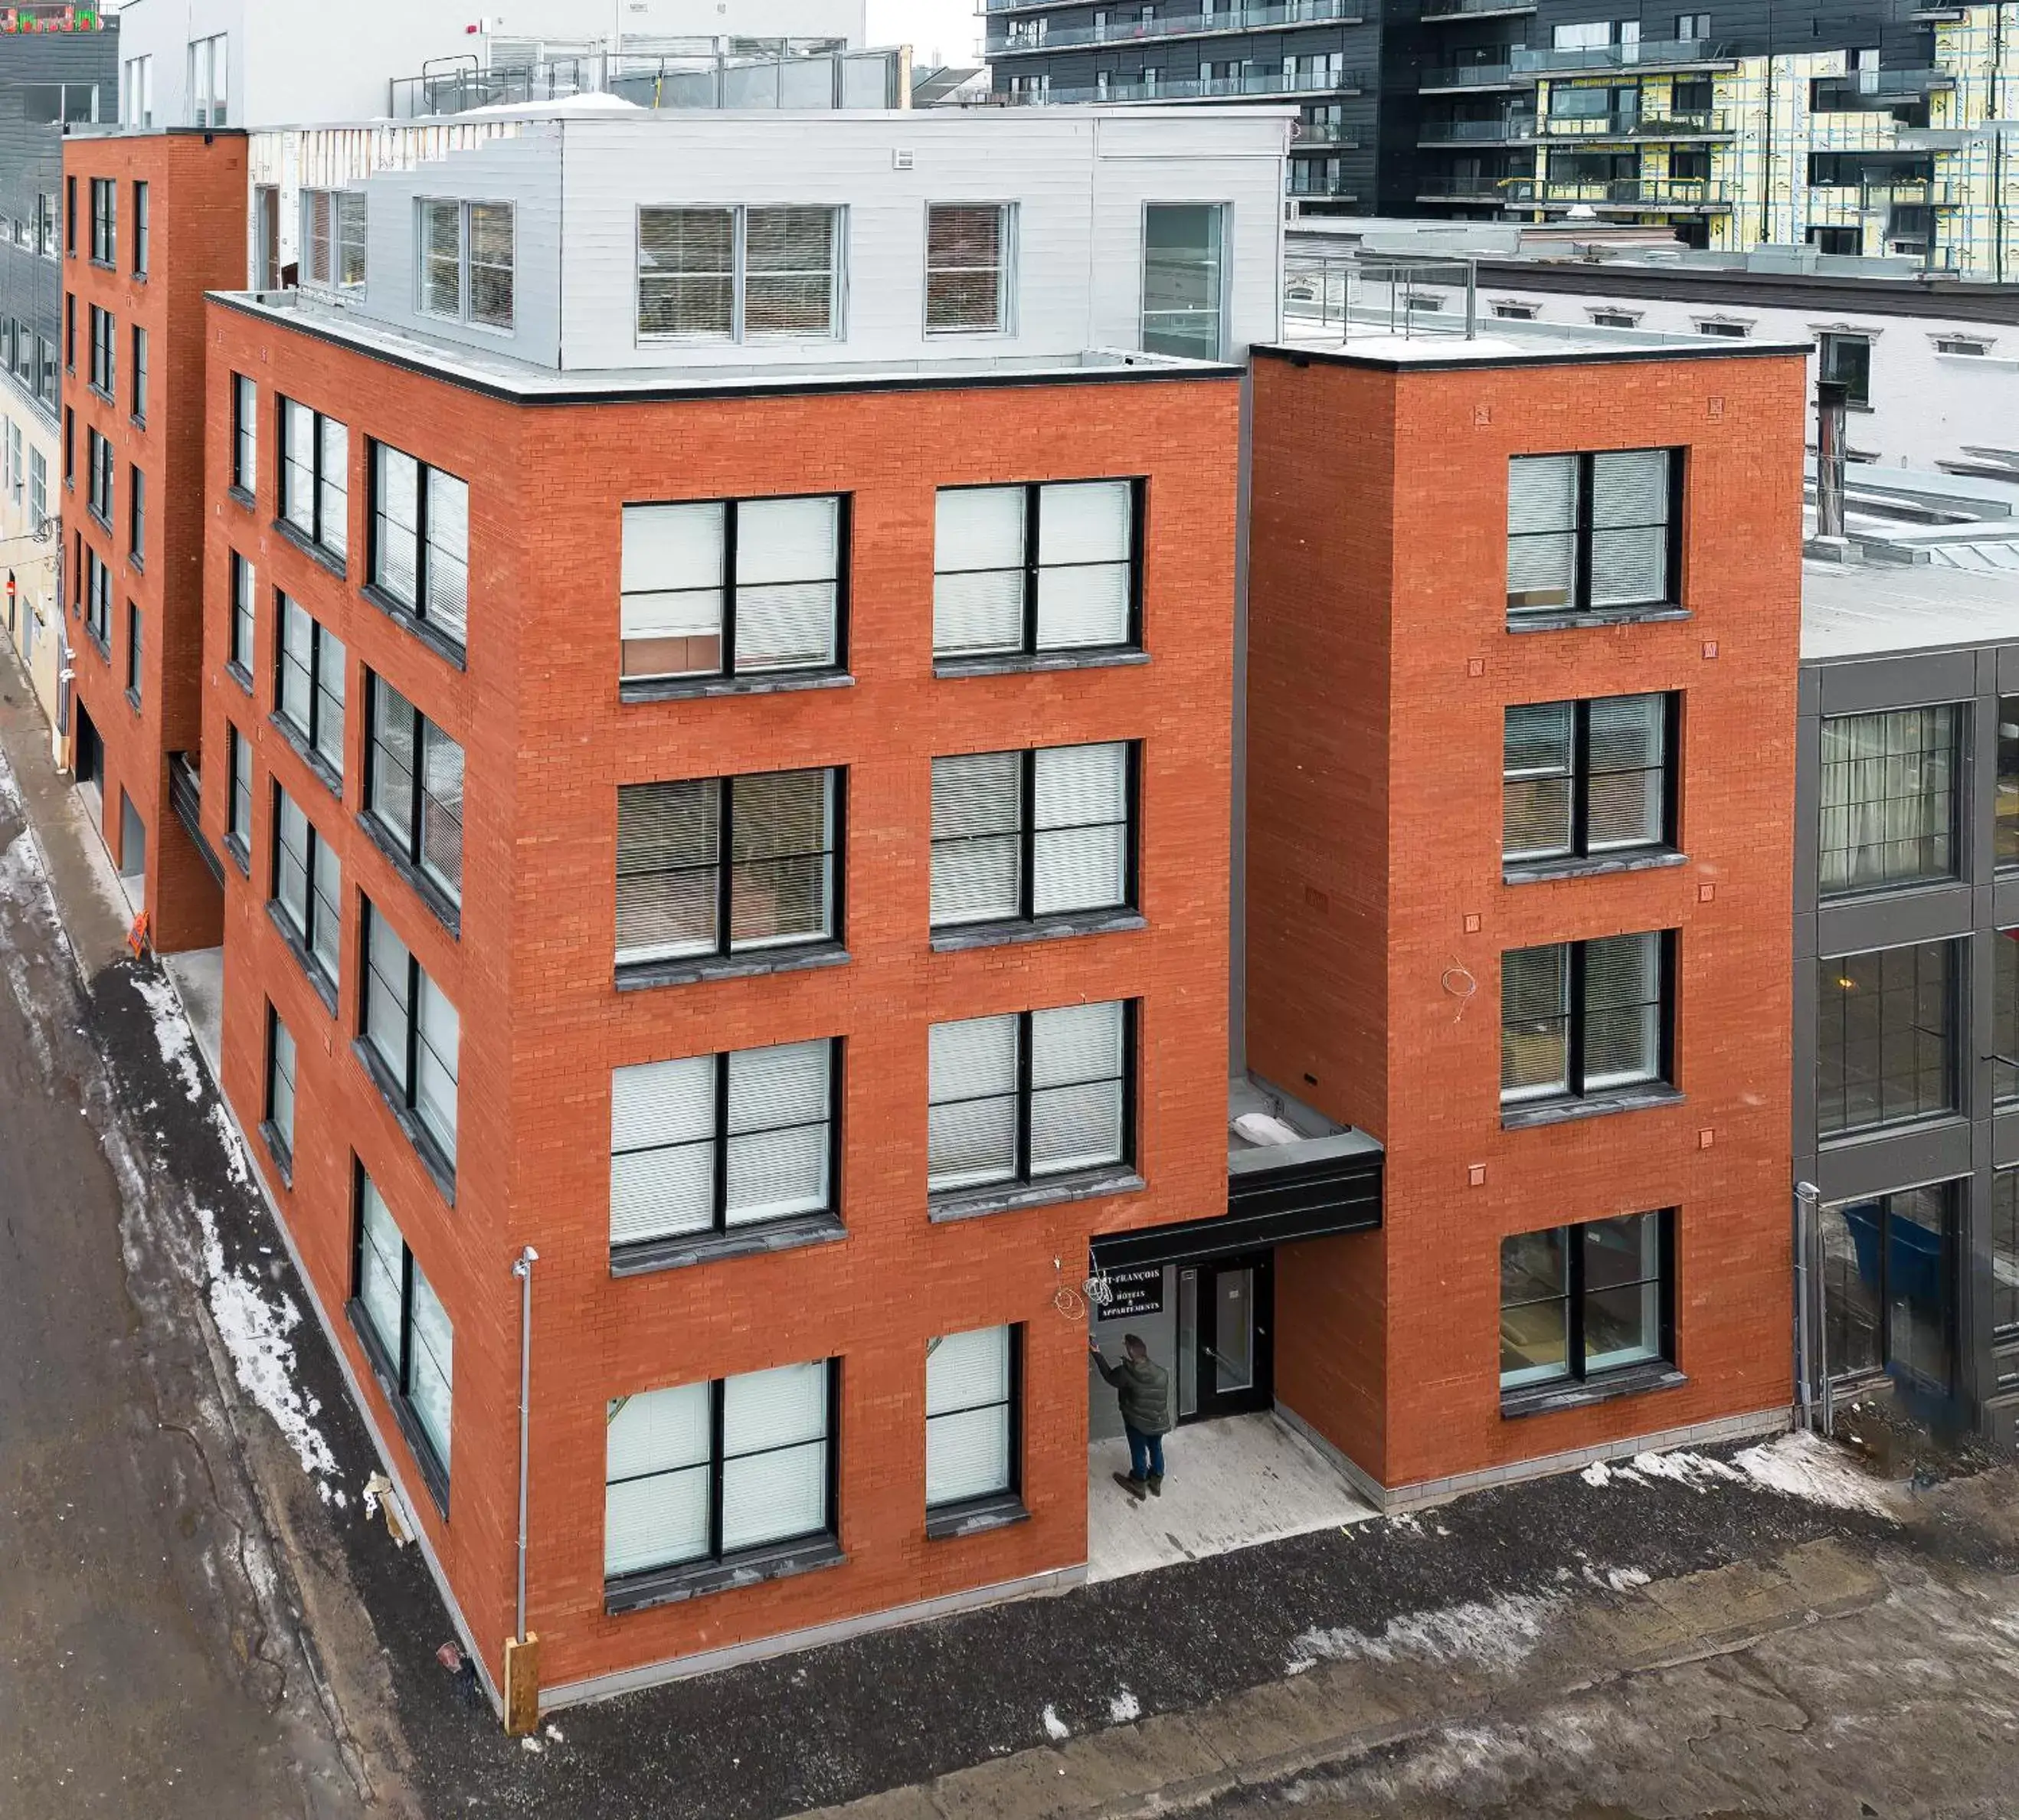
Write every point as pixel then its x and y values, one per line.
pixel 66 18
pixel 1134 1292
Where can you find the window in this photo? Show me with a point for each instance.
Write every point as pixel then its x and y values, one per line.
pixel 136 106
pixel 315 476
pixel 99 477
pixel 710 1472
pixel 1847 359
pixel 238 810
pixel 308 690
pixel 139 230
pixel 2004 1015
pixel 1579 1018
pixel 407 1330
pixel 70 332
pixel 103 329
pixel 1885 1038
pixel 1586 778
pixel 70 446
pixel 739 274
pixel 466 262
pixel 308 887
pixel 2005 812
pixel 1587 532
pixel 1022 834
pixel 1952 345
pixel 714 1142
pixel 98 600
pixel 38 489
pixel 1182 279
pixel 1515 312
pixel 413 786
pixel 333 237
pixel 1029 1096
pixel 2005 1255
pixel 136 516
pixel 46 224
pixel 725 865
pixel 1051 566
pixel 104 221
pixel 1837 239
pixel 279 1123
pixel 133 650
pixel 1888 1293
pixel 967 268
pixel 1730 331
pixel 244 435
pixel 69 217
pixel 242 618
pixel 732 587
pixel 140 375
pixel 1578 1301
pixel 420 540
pixel 971 1386
pixel 412 1031
pixel 48 375
pixel 1889 799
pixel 17 474
pixel 209 82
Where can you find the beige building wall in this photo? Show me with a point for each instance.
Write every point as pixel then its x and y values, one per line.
pixel 31 551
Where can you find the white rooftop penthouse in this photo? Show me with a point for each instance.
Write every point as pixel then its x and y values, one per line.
pixel 592 238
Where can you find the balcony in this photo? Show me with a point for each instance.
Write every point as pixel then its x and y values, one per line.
pixel 1203 24
pixel 1434 10
pixel 1256 82
pixel 1307 137
pixel 1335 189
pixel 1910 192
pixel 1648 53
pixel 1672 193
pixel 1464 76
pixel 1871 91
pixel 1637 126
pixel 1515 129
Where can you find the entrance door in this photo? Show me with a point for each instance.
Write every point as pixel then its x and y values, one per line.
pixel 1224 1356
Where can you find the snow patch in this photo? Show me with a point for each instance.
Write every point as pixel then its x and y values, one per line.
pixel 1124 1708
pixel 1056 1728
pixel 172 1032
pixel 1801 1465
pixel 1499 1633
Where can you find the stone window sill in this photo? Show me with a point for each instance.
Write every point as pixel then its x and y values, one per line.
pixel 1593 1106
pixel 331 779
pixel 1591 865
pixel 1011 1197
pixel 133 700
pixel 1039 928
pixel 240 856
pixel 276 1148
pixel 451 650
pixel 1010 663
pixel 977 1518
pixel 637 976
pixel 697 1579
pixel 244 497
pixel 438 1165
pixel 1570 618
pixel 325 987
pixel 239 674
pixel 327 559
pixel 688 1248
pixel 701 688
pixel 445 910
pixel 1633 1381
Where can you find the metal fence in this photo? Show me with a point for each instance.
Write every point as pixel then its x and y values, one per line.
pixel 1359 298
pixel 812 81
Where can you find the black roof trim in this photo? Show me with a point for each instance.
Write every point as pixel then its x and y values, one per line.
pixel 1318 1199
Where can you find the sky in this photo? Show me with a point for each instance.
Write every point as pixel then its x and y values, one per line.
pixel 939 31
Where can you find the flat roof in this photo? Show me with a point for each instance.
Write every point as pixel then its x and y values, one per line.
pixel 500 375
pixel 1872 609
pixel 1509 343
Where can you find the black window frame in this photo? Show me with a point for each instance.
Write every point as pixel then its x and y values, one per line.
pixel 136 515
pixel 1579 607
pixel 1954 988
pixel 133 652
pixel 101 490
pixel 237 839
pixel 1517 1399
pixel 1857 394
pixel 2004 806
pixel 430 627
pixel 69 218
pixel 2005 1016
pixel 402 1090
pixel 280 1143
pixel 963 1516
pixel 1579 780
pixel 1957 747
pixel 240 656
pixel 315 533
pixel 1999 1218
pixel 104 330
pixel 1880 1207
pixel 1576 1093
pixel 308 740
pixel 138 378
pixel 97 600
pixel 303 936
pixel 245 437
pixel 70 448
pixel 395 1375
pixel 105 223
pixel 141 228
pixel 445 900
pixel 70 333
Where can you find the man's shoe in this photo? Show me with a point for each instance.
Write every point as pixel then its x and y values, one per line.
pixel 1131 1485
pixel 1156 1484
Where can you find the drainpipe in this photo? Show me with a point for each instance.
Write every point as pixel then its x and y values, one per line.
pixel 523 1269
pixel 1808 1199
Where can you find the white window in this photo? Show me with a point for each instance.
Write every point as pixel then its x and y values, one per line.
pixel 1182 279
pixel 410 1341
pixel 711 1471
pixel 712 1143
pixel 739 274
pixel 333 237
pixel 466 262
pixel 209 81
pixel 136 106
pixel 413 1030
pixel 1021 835
pixel 1028 1096
pixel 732 587
pixel 967 268
pixel 1953 345
pixel 1051 566
pixel 970 1416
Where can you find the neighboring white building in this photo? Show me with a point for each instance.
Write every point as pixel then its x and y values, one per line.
pixel 272 63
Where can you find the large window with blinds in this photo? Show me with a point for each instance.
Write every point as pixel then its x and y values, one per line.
pixel 1018 835
pixel 1587 533
pixel 718 866
pixel 1890 798
pixel 719 1472
pixel 1032 1095
pixel 315 478
pixel 972 1425
pixel 420 541
pixel 413 786
pixel 967 267
pixel 1589 779
pixel 308 684
pixel 1055 566
pixel 1583 1018
pixel 413 1038
pixel 308 891
pixel 466 265
pixel 739 274
pixel 732 587
pixel 718 1143
pixel 1886 1037
pixel 406 1333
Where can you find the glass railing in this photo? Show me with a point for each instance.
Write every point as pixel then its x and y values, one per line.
pixel 1633 125
pixel 1632 192
pixel 1305 135
pixel 1192 88
pixel 1464 76
pixel 1649 52
pixel 821 76
pixel 1457 9
pixel 1184 25
pixel 1473 132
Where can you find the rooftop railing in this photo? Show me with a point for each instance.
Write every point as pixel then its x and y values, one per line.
pixel 1357 298
pixel 1647 53
pixel 1188 88
pixel 1189 24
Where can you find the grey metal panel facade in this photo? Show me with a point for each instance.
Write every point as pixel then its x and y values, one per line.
pixel 1969 1147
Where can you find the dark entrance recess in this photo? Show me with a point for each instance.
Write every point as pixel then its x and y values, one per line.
pixel 1225 1351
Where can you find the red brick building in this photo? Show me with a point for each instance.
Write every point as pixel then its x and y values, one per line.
pixel 1519 794
pixel 150 223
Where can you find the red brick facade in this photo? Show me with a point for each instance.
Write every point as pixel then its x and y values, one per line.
pixel 548 742
pixel 196 188
pixel 1380 666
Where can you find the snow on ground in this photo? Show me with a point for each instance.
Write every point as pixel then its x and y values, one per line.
pixel 1496 1633
pixel 1056 1728
pixel 1797 1464
pixel 172 1032
pixel 1124 1708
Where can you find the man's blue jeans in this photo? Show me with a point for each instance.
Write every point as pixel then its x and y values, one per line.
pixel 1146 1453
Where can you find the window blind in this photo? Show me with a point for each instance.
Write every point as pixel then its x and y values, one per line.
pixel 968 1416
pixel 1625 805
pixel 298 466
pixel 778 1139
pixel 1537 768
pixel 396 500
pixel 774 1456
pixel 1076 1087
pixel 430 1366
pixel 965 260
pixel 978 850
pixel 662 1154
pixel 330 663
pixel 1629 518
pixel 491 263
pixel 1535 1022
pixel 333 482
pixel 441 259
pixel 656 1491
pixel 351 218
pixel 281 1082
pixel 788 272
pixel 437 1057
pixel 978 576
pixel 1542 530
pixel 1080 846
pixel 667 848
pixel 1084 539
pixel 686 272
pixel 448 553
pixel 296 702
pixel 381 1269
pixel 1622 994
pixel 788 558
pixel 441 809
pixel 671 606
pixel 972 1071
pixel 392 791
pixel 780 872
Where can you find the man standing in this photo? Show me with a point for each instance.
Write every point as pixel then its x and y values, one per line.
pixel 1144 1388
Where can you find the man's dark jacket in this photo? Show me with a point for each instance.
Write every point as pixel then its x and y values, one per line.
pixel 1145 1391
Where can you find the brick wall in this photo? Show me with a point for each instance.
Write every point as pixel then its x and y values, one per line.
pixel 1380 667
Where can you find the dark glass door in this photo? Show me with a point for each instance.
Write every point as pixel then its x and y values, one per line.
pixel 1224 1354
